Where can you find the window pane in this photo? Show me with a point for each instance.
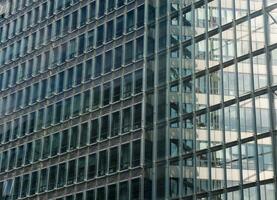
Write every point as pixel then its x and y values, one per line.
pixel 91 171
pixel 125 156
pixel 115 129
pixel 81 169
pixel 116 89
pixel 113 161
pixel 94 131
pixel 126 121
pixel 102 163
pixel 71 172
pixel 136 153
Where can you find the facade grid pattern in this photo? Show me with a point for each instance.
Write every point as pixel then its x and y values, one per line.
pixel 138 99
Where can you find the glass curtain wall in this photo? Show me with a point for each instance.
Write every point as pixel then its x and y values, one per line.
pixel 210 117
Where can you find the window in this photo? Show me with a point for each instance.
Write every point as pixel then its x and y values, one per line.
pixel 63 53
pixel 94 130
pixel 55 144
pixel 137 116
pixel 81 45
pixel 130 21
pixel 72 48
pixel 59 5
pixel 127 89
pixel 115 124
pixel 111 5
pixel 52 86
pixel 76 105
pixel 84 134
pixel 4 161
pixel 92 10
pixel 118 57
pixel 29 151
pixel 120 3
pixel 43 180
pixel 106 94
pixel 35 92
pixel 113 160
pixel 112 192
pixel 139 48
pixel 81 169
pixel 96 97
pixel 86 101
pixel 74 22
pixel 16 129
pixel 98 66
pixel 126 123
pixel 74 137
pixel 138 81
pixel 101 193
pixel 25 185
pixel 110 31
pixel 16 190
pixel 49 116
pixel 101 8
pixel 37 150
pixel 12 158
pixel 20 156
pixel 46 147
pixel 135 189
pixel 104 127
pixel 65 24
pixel 88 70
pixel 90 39
pixel 100 35
pixel 58 28
pixel 71 172
pixel 128 52
pixel 83 18
pixel 108 61
pixel 61 175
pixel 90 194
pixel 125 157
pixel 34 183
pixel 116 89
pixel 102 163
pixel 58 115
pixel 124 191
pixel 79 74
pixel 140 16
pixel 119 26
pixel 52 177
pixel 91 171
pixel 136 153
pixel 64 141
pixel 60 82
pixel 67 108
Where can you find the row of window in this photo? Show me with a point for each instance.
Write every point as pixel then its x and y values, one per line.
pixel 59 143
pixel 88 133
pixel 103 63
pixel 17 5
pixel 54 6
pixel 124 191
pixel 33 17
pixel 66 109
pixel 48 9
pixel 77 170
pixel 119 88
pixel 70 23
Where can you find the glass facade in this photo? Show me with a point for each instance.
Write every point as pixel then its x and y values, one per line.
pixel 138 99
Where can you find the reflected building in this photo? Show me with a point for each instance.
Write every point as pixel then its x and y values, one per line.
pixel 138 99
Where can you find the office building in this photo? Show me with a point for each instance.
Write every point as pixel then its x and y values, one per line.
pixel 138 99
